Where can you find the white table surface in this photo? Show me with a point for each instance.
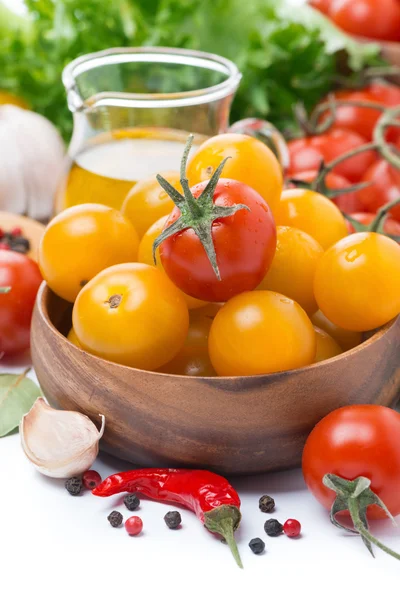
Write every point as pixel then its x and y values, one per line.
pixel 54 545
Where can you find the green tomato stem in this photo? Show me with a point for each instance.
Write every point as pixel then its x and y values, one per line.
pixel 381 214
pixel 354 510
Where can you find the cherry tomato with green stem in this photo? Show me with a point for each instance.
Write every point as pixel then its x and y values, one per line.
pixel 362 120
pixel 384 187
pixel 347 202
pixel 390 227
pixel 20 275
pixel 307 153
pixel 219 240
pixel 356 441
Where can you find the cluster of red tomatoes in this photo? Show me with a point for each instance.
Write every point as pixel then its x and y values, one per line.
pixel 217 271
pixel 375 19
pixel 354 127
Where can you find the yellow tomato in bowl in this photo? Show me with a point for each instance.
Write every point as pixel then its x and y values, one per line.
pixel 293 267
pixel 133 315
pixel 260 332
pixel 80 242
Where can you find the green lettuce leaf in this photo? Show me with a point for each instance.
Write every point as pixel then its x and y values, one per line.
pixel 285 54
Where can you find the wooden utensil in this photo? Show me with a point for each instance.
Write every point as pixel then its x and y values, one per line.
pixel 229 424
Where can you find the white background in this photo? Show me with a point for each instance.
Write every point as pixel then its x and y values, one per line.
pixel 53 545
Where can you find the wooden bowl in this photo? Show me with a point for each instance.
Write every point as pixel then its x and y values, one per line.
pixel 230 424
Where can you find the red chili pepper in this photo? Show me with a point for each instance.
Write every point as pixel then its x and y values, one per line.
pixel 210 496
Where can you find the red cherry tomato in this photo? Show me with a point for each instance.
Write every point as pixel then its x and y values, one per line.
pixel 391 227
pixel 356 441
pixel 377 19
pixel 363 120
pixel 322 5
pixel 346 202
pixel 23 276
pixel 244 244
pixel 385 187
pixel 307 153
pixel 134 525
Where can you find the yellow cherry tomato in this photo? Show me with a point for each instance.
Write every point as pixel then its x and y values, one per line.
pixel 82 241
pixel 133 315
pixel 346 339
pixel 147 201
pixel 313 213
pixel 357 281
pixel 260 332
pixel 193 359
pixel 72 337
pixel 293 267
pixel 327 347
pixel 250 162
pixel 145 255
pixel 7 98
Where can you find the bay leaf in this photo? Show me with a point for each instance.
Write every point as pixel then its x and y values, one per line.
pixel 17 396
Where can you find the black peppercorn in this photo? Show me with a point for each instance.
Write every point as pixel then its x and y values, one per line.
pixel 74 486
pixel 131 502
pixel 272 527
pixel 20 244
pixel 173 519
pixel 257 546
pixel 266 504
pixel 115 518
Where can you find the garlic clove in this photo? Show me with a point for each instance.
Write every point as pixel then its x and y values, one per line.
pixel 59 443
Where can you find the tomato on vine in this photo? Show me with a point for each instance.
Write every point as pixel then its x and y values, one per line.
pixel 308 152
pixel 391 227
pixel 347 202
pixel 362 119
pixel 384 187
pixel 219 240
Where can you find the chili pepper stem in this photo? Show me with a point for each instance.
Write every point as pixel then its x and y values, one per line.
pixel 225 520
pixel 4 290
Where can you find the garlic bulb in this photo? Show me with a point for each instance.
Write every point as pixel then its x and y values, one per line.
pixel 31 162
pixel 59 443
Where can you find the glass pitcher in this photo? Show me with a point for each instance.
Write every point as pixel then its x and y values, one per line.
pixel 133 109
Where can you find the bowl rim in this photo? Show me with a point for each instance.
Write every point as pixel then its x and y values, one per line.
pixel 41 306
